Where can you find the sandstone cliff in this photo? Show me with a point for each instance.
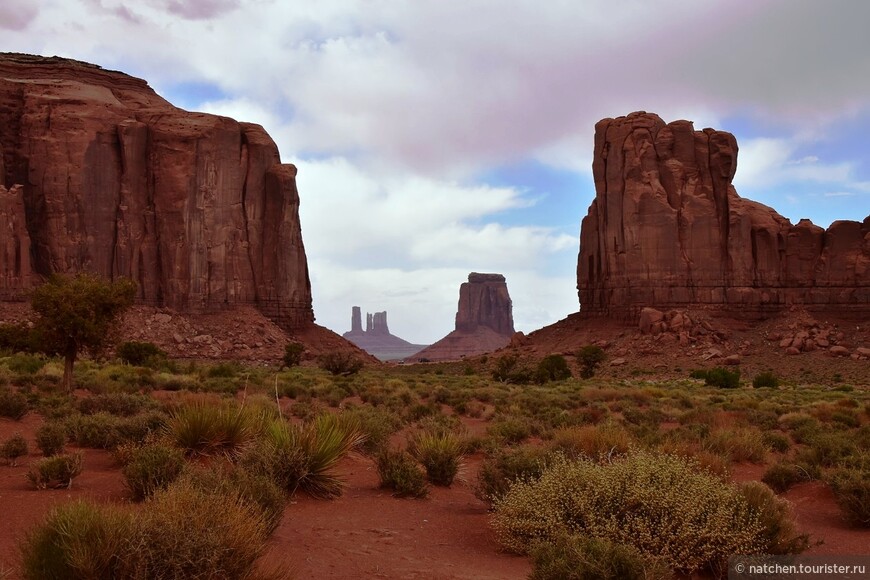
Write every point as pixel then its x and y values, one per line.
pixel 668 230
pixel 99 173
pixel 484 320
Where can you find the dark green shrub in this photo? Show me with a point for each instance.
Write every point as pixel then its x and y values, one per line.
pixel 401 473
pixel 225 370
pixel 78 541
pixel 765 380
pixel 16 338
pixel 141 354
pixel 575 557
pixel 98 431
pixel 25 364
pixel 499 471
pixel 13 448
pixel 293 354
pixel 722 378
pixel 553 367
pixel 56 471
pixel 152 467
pixel 13 404
pixel 589 357
pixel 51 438
pixel 851 489
pixel 780 477
pixel 776 441
pixel 340 363
pixel 120 404
pixel 700 374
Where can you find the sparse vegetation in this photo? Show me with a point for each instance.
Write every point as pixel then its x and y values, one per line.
pixel 765 380
pixel 152 467
pixel 51 438
pixel 143 354
pixel 340 363
pixel 440 453
pixel 590 357
pixel 13 448
pixel 400 472
pixel 13 404
pixel 293 354
pixel 56 471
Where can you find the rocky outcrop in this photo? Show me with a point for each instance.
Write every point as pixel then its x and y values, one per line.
pixel 484 320
pixel 101 174
pixel 376 339
pixel 668 230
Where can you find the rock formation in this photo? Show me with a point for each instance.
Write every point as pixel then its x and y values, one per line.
pixel 668 230
pixel 484 320
pixel 98 173
pixel 376 339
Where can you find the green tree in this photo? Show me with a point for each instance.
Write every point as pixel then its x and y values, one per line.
pixel 77 313
pixel 589 357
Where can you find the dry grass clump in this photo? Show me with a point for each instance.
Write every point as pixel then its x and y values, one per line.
pixel 575 557
pixel 606 439
pixel 203 428
pixel 13 405
pixel 851 487
pixel 662 505
pixel 400 472
pixel 738 444
pixel 501 469
pixel 13 448
pixel 51 438
pixel 440 453
pixel 56 471
pixel 779 532
pixel 152 467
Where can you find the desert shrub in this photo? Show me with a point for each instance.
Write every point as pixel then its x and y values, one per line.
pixel 340 363
pixel 16 338
pixel 700 374
pixel 97 431
pixel 577 557
pixel 722 378
pixel 187 532
pixel 293 354
pixel 738 444
pixel 305 456
pixel 440 454
pixel 660 504
pixel 203 428
pixel 510 430
pixel 798 420
pixel 606 439
pixel 828 449
pixel 503 367
pixel 376 424
pixel 25 364
pixel 56 471
pixel 78 541
pixel 851 487
pixel 552 367
pixel 13 448
pixel 590 357
pixel 500 470
pixel 776 441
pixel 401 473
pixel 224 370
pixel 780 477
pixel 152 467
pixel 119 404
pixel 141 354
pixel 765 380
pixel 51 438
pixel 13 405
pixel 778 531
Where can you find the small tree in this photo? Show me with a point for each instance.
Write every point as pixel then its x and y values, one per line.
pixel 76 314
pixel 589 357
pixel 293 354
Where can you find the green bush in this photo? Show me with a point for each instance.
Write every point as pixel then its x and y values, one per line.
pixel 778 442
pixel 78 541
pixel 151 468
pixel 401 473
pixel 510 430
pixel 779 533
pixel 118 404
pixel 13 448
pixel 51 438
pixel 213 428
pixel 13 404
pixel 376 424
pixel 293 354
pixel 722 378
pixel 552 367
pixel 660 504
pixel 500 470
pixel 780 477
pixel 141 354
pixel 98 431
pixel 25 364
pixel 440 454
pixel 56 471
pixel 590 357
pixel 340 363
pixel 577 557
pixel 765 380
pixel 16 338
pixel 851 487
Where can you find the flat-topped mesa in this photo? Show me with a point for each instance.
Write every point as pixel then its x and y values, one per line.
pixel 484 301
pixel 667 230
pixel 114 180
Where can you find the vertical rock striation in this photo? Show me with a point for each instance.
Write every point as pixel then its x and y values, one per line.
pixel 114 180
pixel 667 229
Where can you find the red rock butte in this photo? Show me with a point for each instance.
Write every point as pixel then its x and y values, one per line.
pixel 98 173
pixel 667 230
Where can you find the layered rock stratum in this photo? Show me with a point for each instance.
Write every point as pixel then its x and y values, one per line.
pixel 98 173
pixel 484 320
pixel 376 339
pixel 668 230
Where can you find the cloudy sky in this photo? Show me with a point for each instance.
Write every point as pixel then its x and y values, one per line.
pixel 436 138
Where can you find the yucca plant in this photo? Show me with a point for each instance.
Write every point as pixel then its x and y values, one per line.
pixel 440 453
pixel 206 429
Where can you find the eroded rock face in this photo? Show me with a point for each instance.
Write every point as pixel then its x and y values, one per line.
pixel 668 230
pixel 376 339
pixel 114 180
